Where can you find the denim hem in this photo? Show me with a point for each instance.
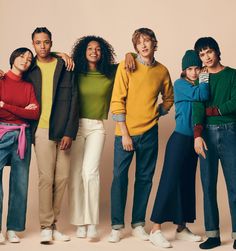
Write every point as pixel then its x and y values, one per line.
pixel 47 227
pixel 134 225
pixel 213 233
pixel 119 117
pixel 234 235
pixel 118 226
pixel 15 228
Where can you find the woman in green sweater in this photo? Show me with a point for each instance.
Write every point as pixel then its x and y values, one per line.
pixel 94 72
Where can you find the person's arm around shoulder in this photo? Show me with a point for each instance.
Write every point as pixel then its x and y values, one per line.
pixel 186 91
pixel 130 63
pixel 69 62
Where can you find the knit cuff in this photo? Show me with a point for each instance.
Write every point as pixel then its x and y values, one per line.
pixel 197 130
pixel 118 117
pixel 212 111
pixel 204 77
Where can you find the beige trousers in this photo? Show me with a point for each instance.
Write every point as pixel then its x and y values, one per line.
pixel 84 183
pixel 53 170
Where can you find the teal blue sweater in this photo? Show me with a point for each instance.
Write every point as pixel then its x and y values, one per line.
pixel 185 94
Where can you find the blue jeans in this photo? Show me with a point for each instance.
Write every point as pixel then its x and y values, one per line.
pixel 19 174
pixel 146 148
pixel 221 143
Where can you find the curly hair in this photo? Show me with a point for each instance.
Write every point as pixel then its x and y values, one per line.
pixel 105 65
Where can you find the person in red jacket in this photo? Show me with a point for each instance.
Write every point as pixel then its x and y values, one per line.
pixel 18 105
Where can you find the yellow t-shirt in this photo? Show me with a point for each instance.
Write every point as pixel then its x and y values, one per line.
pixel 47 72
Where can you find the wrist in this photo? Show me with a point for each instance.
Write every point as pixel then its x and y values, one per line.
pixel 197 131
pixel 125 134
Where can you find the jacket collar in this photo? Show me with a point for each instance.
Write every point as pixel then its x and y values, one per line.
pixel 34 63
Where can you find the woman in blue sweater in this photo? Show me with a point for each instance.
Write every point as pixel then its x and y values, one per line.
pixel 175 199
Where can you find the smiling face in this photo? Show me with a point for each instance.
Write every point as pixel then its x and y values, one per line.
pixel 42 45
pixel 209 58
pixel 93 53
pixel 192 73
pixel 145 47
pixel 22 63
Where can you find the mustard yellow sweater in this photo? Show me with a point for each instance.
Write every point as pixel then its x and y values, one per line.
pixel 136 95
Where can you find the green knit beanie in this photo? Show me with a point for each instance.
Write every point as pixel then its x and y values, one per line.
pixel 191 58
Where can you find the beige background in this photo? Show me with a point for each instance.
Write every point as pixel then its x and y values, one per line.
pixel 177 24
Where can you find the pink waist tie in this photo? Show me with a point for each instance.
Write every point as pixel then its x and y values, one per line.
pixel 21 138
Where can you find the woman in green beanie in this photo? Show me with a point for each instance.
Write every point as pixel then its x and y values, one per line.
pixel 175 199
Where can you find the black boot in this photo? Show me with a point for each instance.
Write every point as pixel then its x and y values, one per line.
pixel 211 242
pixel 234 245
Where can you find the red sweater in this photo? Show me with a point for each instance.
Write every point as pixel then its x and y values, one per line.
pixel 16 95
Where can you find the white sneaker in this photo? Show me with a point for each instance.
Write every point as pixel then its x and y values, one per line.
pixel 114 236
pixel 2 238
pixel 81 232
pixel 187 235
pixel 12 237
pixel 46 236
pixel 92 232
pixel 140 233
pixel 57 236
pixel 159 240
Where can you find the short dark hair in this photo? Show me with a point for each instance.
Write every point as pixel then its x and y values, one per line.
pixel 17 52
pixel 146 32
pixel 41 30
pixel 207 42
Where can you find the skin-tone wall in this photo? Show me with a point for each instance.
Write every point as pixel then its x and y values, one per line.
pixel 177 24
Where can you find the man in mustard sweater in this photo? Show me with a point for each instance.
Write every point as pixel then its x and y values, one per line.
pixel 136 111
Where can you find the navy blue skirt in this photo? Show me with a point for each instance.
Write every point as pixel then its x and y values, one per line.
pixel 175 199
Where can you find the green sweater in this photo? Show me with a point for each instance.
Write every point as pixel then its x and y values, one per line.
pixel 222 95
pixel 94 95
